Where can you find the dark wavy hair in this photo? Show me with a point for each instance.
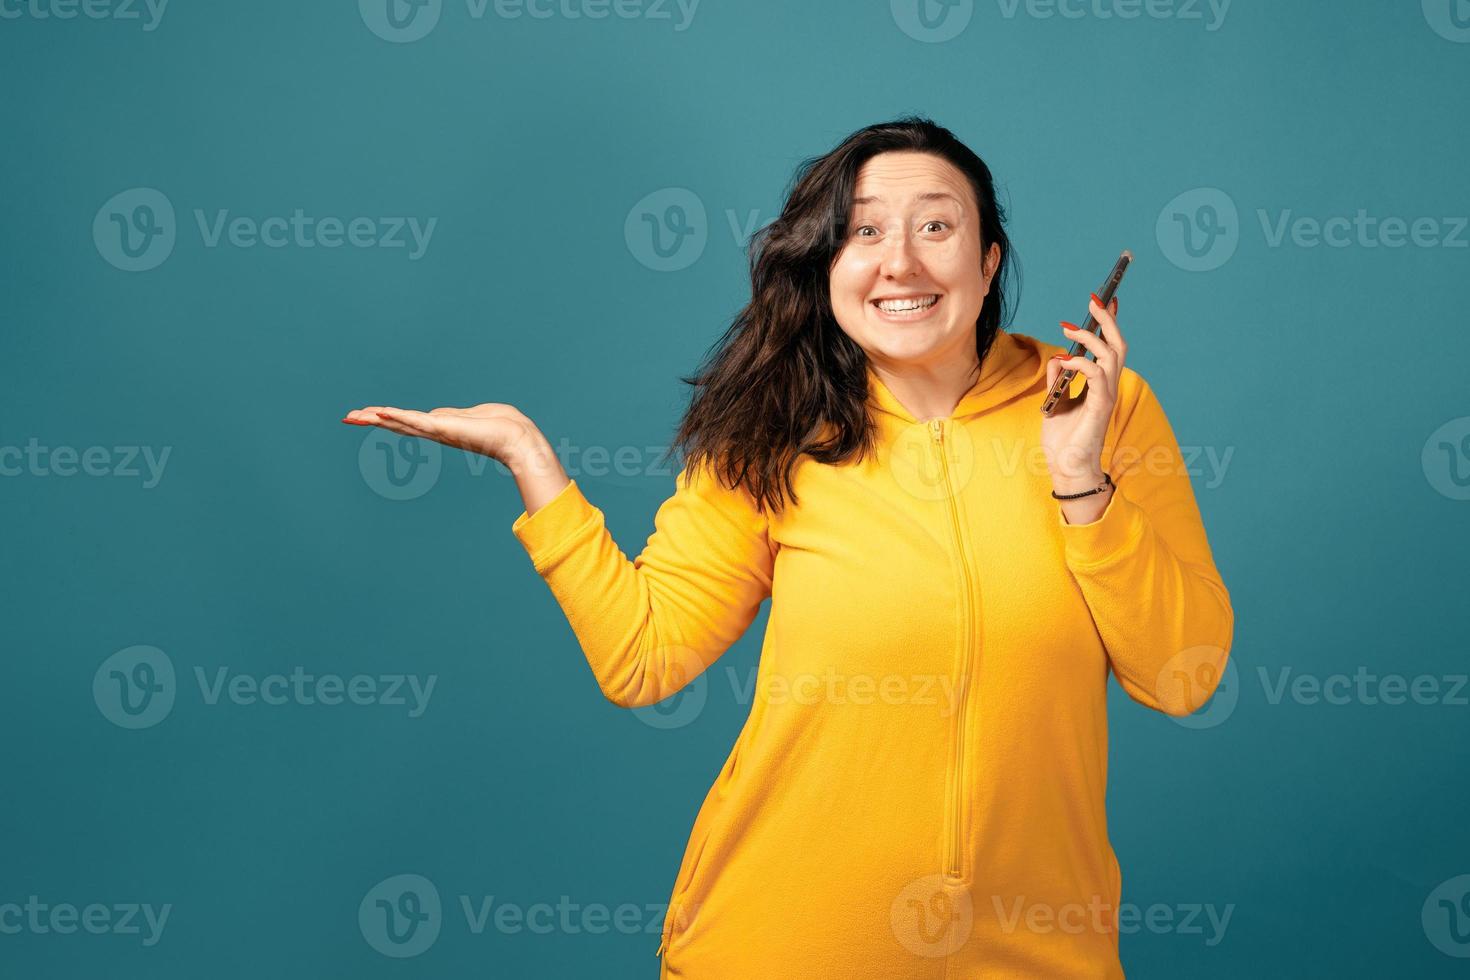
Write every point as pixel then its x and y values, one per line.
pixel 785 379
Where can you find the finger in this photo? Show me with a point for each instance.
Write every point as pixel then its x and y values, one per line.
pixel 421 422
pixel 1090 341
pixel 1058 363
pixel 1108 322
pixel 1053 368
pixel 1108 329
pixel 384 419
pixel 361 416
pixel 1106 358
pixel 1090 369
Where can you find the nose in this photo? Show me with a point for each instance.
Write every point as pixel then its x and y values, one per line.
pixel 899 257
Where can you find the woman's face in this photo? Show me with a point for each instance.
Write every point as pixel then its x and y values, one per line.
pixel 909 281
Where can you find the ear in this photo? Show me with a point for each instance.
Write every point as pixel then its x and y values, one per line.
pixel 989 264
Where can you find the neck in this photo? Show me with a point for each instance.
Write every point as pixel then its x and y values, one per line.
pixel 929 391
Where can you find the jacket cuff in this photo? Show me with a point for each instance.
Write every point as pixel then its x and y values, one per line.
pixel 1115 532
pixel 556 526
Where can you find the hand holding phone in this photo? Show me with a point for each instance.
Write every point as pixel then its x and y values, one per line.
pixel 1105 296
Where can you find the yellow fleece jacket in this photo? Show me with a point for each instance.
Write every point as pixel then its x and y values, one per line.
pixel 918 791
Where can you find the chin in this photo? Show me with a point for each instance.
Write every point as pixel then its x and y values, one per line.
pixel 912 342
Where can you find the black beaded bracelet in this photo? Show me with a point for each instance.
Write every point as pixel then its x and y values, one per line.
pixel 1107 482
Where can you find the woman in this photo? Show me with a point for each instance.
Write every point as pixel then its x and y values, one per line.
pixel 918 790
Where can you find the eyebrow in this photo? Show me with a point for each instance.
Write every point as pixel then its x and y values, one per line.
pixel 931 196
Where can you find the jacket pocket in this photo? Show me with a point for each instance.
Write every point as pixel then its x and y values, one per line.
pixel 1117 883
pixel 710 823
pixel 676 918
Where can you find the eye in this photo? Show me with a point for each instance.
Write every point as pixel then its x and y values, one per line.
pixel 859 231
pixel 936 221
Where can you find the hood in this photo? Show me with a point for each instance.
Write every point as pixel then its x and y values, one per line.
pixel 1014 365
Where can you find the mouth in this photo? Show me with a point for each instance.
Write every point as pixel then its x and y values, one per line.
pixel 906 309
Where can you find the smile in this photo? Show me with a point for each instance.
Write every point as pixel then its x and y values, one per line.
pixel 906 308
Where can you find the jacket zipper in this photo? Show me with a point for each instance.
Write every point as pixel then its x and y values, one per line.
pixel 954 860
pixel 668 930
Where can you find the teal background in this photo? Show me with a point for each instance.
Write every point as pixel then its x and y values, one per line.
pixel 268 545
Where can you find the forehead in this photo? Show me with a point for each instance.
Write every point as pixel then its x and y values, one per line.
pixel 900 178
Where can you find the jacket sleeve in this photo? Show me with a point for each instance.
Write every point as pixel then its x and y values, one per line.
pixel 1145 567
pixel 651 625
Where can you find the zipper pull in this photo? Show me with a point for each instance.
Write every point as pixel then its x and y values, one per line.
pixel 936 429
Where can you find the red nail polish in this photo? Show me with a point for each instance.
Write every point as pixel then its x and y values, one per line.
pixel 1069 326
pixel 1096 300
pixel 356 422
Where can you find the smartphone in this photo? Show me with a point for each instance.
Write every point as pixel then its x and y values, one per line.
pixel 1105 293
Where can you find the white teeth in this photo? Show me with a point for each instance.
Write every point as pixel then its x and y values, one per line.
pixel 907 305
